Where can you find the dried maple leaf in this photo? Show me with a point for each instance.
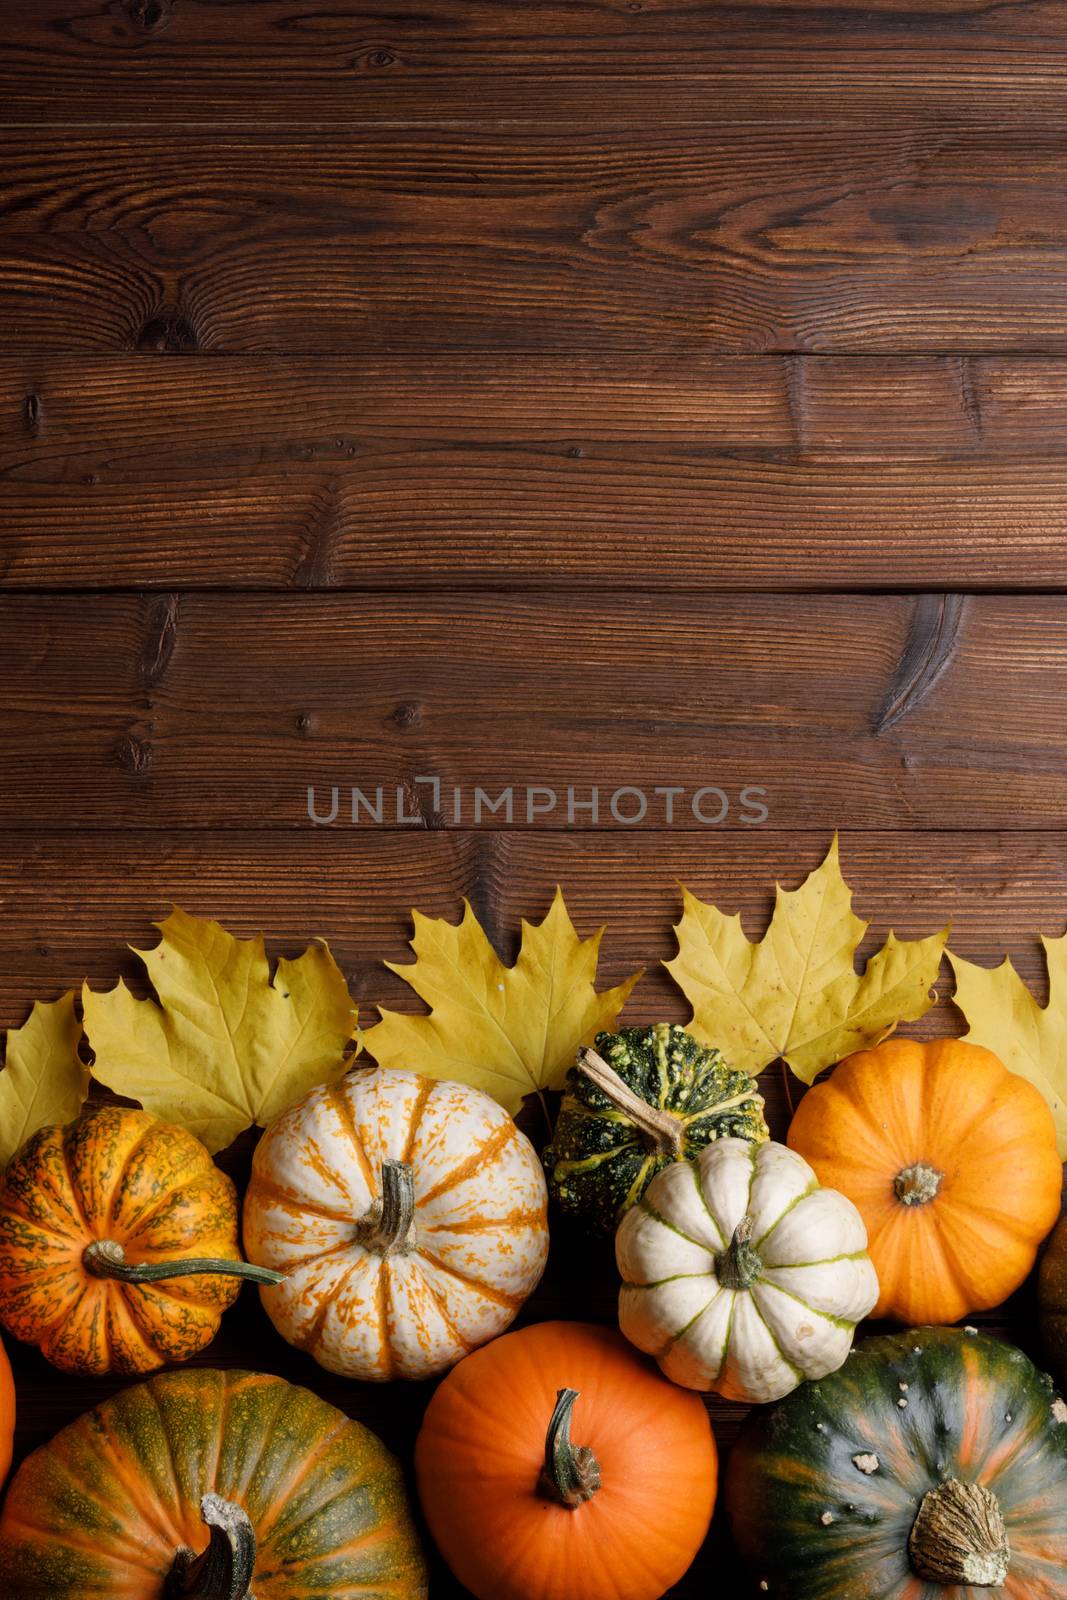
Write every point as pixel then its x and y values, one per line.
pixel 511 1031
pixel 45 1080
pixel 796 994
pixel 226 1046
pixel 1030 1039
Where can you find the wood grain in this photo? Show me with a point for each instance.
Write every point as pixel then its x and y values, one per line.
pixel 700 473
pixel 790 711
pixel 719 238
pixel 129 420
pixel 587 61
pixel 72 903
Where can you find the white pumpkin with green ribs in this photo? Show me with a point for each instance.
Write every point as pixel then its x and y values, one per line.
pixel 741 1274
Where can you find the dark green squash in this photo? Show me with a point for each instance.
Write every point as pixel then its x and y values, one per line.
pixel 932 1466
pixel 644 1098
pixel 1052 1292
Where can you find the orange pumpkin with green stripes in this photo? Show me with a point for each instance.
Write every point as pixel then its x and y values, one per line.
pixel 214 1485
pixel 118 1243
pixel 931 1466
pixel 408 1216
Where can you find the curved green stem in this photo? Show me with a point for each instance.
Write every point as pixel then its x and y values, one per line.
pixel 571 1473
pixel 105 1258
pixel 224 1570
pixel 739 1266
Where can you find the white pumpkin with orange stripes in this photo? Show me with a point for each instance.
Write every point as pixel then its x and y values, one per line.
pixel 409 1218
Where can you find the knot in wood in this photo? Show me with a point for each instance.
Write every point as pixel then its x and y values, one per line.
pixel 148 14
pixel 169 333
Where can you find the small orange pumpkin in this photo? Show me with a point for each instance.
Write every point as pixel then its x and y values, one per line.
pixel 118 1244
pixel 521 1512
pixel 952 1162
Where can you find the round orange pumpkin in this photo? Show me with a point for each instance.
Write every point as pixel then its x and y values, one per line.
pixel 952 1162
pixel 118 1244
pixel 521 1510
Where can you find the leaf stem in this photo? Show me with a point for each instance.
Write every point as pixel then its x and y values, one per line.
pixel 788 1088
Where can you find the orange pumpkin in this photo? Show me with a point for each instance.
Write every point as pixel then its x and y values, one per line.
pixel 520 1511
pixel 118 1244
pixel 7 1414
pixel 952 1162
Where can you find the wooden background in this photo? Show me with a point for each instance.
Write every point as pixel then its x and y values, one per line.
pixel 616 392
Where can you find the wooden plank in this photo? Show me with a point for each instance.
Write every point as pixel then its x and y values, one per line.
pixel 737 473
pixel 126 420
pixel 486 710
pixel 544 518
pixel 899 59
pixel 71 903
pixel 712 239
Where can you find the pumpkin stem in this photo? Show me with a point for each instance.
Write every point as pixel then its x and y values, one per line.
pixel 105 1258
pixel 739 1266
pixel 918 1185
pixel 959 1537
pixel 224 1570
pixel 387 1226
pixel 571 1474
pixel 660 1130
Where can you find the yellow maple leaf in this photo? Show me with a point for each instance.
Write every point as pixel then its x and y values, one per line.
pixel 1030 1039
pixel 45 1080
pixel 226 1046
pixel 796 993
pixel 511 1031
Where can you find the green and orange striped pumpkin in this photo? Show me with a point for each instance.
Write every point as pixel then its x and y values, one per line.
pixel 215 1485
pixel 931 1466
pixel 118 1243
